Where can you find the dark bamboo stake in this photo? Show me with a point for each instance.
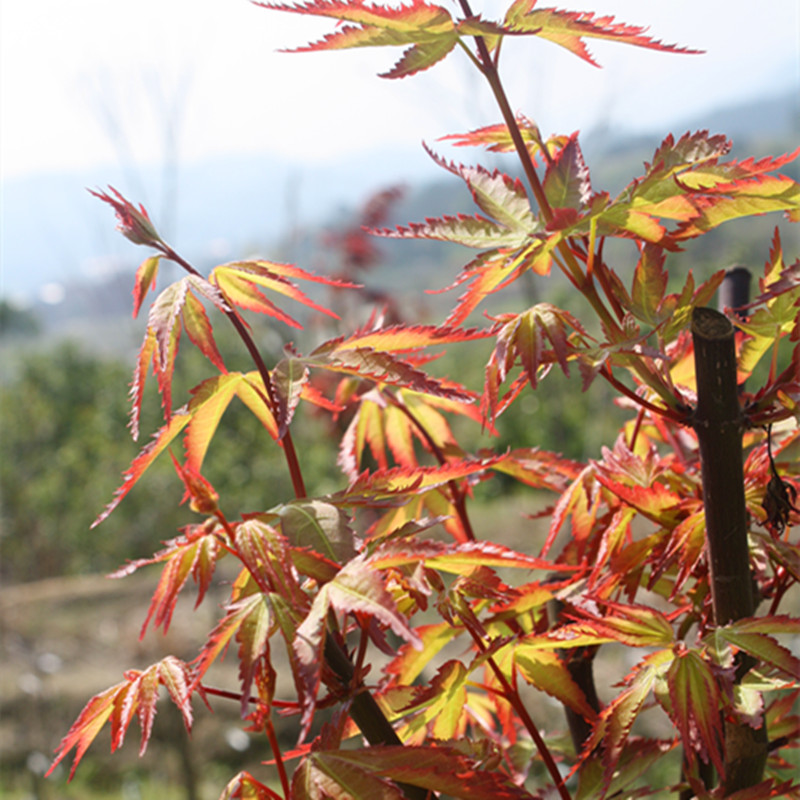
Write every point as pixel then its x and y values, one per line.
pixel 734 291
pixel 579 662
pixel 719 424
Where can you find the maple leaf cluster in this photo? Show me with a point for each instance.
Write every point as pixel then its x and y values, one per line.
pixel 392 563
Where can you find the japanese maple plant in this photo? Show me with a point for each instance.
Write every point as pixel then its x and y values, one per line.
pixel 421 648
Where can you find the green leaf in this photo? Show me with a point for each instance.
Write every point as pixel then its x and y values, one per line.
pixel 288 378
pixel 752 636
pixel 471 231
pixel 422 56
pixel 322 526
pixel 501 197
pixel 696 701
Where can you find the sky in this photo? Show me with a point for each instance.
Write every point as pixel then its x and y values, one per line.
pixel 92 82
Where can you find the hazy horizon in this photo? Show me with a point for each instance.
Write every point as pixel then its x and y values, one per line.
pixel 92 83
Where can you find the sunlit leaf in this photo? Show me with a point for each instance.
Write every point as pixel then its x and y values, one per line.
pixel 471 231
pixel 548 672
pixel 748 197
pixel 196 554
pixel 569 28
pixel 411 660
pixel 566 181
pixel 144 281
pixel 407 338
pixel 250 622
pixel 615 721
pixel 539 468
pixel 501 197
pixel 440 705
pixel 422 56
pixel 209 401
pixel 380 366
pixel 136 696
pixel 497 138
pixel 458 559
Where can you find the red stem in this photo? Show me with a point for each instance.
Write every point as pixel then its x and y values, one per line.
pixel 269 729
pixel 287 443
pixel 237 696
pixel 637 426
pixel 654 409
pixel 514 699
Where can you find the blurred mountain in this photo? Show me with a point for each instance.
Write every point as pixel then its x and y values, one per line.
pixel 62 258
pixel 54 231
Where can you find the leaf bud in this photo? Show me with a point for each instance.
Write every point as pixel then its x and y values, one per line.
pixel 134 224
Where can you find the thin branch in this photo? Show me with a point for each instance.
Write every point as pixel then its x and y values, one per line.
pixel 512 696
pixel 269 729
pixel 663 411
pixel 286 442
